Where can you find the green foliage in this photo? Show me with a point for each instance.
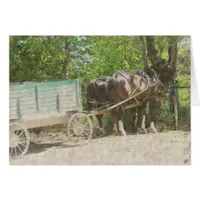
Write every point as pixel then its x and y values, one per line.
pixel 43 58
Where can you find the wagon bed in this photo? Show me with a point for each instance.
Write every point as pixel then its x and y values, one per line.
pixel 30 101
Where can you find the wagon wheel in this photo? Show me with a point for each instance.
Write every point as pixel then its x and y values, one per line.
pixel 79 127
pixel 19 140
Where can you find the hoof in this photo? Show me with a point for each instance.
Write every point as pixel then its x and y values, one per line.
pixel 116 133
pixel 123 133
pixel 152 130
pixel 102 131
pixel 119 134
pixel 140 131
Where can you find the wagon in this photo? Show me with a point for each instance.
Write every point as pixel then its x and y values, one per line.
pixel 43 104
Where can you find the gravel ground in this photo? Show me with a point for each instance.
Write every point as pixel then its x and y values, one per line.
pixel 167 148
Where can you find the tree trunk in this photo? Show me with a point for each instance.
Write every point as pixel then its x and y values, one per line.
pixel 144 56
pixel 151 50
pixel 172 52
pixel 154 106
pixel 65 70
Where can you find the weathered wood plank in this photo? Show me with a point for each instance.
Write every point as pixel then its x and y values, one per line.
pixel 46 93
pixel 68 95
pixel 64 110
pixel 24 103
pixel 46 98
pixel 45 120
pixel 22 91
pixel 24 95
pixel 28 110
pixel 49 109
pixel 71 107
pixel 27 107
pixel 68 104
pixel 13 117
pixel 50 105
pixel 60 88
pixel 12 112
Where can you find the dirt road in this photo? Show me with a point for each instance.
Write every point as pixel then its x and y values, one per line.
pixel 167 148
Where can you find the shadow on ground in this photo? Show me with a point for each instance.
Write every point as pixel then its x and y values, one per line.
pixel 37 148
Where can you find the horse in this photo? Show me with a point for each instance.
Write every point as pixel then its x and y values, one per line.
pixel 97 95
pixel 155 84
pixel 152 83
pixel 146 118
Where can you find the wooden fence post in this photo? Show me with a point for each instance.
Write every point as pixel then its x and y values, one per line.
pixel 176 112
pixel 175 99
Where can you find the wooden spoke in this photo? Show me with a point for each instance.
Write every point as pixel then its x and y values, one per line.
pixel 19 148
pixel 18 136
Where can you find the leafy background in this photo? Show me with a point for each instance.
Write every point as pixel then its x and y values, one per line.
pixel 47 58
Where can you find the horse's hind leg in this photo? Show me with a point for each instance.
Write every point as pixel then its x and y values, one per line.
pixel 100 117
pixel 100 122
pixel 134 119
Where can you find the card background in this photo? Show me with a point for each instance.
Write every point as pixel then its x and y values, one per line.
pixel 97 18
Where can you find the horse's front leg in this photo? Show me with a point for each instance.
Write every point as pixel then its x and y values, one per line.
pixel 120 127
pixel 118 124
pixel 141 119
pixel 153 128
pixel 153 112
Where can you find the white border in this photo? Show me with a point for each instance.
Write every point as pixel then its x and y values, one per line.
pixel 97 18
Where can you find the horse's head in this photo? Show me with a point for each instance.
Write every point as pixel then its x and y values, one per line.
pixel 165 71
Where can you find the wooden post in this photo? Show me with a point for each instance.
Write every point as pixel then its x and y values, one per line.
pixel 175 99
pixel 175 112
pixel 58 103
pixel 19 115
pixel 36 97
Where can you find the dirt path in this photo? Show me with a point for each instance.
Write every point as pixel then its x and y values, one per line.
pixel 170 148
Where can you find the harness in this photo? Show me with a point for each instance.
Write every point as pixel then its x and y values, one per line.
pixel 148 78
pixel 93 101
pixel 157 82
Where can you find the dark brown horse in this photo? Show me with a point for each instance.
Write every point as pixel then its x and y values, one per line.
pixel 146 118
pixel 154 81
pixel 97 95
pixel 155 84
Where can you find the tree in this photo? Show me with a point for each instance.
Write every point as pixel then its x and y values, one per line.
pixel 41 58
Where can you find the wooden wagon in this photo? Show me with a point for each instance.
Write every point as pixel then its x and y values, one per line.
pixel 42 104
